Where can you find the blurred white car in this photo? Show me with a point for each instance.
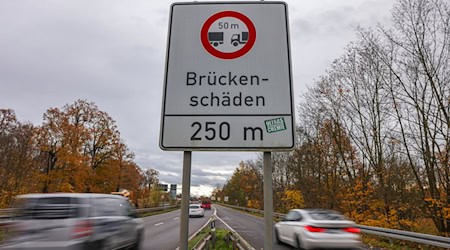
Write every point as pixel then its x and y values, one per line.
pixel 196 210
pixel 314 228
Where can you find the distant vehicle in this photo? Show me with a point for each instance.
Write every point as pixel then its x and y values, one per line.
pixel 125 193
pixel 215 38
pixel 74 221
pixel 237 39
pixel 314 228
pixel 206 205
pixel 195 210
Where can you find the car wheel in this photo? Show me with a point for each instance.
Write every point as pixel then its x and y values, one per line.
pixel 299 243
pixel 105 245
pixel 137 244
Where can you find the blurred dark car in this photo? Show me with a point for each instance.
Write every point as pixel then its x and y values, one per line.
pixel 74 221
pixel 317 228
pixel 206 205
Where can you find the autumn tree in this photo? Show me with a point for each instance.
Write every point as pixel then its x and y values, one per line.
pixel 358 77
pixel 150 194
pixel 245 186
pixel 61 139
pixel 281 178
pixel 17 166
pixel 352 119
pixel 77 149
pixel 83 151
pixel 292 199
pixel 318 168
pixel 417 53
pixel 151 178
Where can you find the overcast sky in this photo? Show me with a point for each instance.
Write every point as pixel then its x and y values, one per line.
pixel 112 52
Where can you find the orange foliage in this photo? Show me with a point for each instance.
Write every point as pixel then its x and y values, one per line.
pixel 77 149
pixel 293 199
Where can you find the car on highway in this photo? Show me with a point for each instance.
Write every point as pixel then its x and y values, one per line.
pixel 74 221
pixel 206 205
pixel 317 228
pixel 196 210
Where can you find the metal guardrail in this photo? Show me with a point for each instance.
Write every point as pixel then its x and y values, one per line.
pixel 204 243
pixel 6 216
pixel 427 239
pixel 210 240
pixel 207 240
pixel 6 213
pixel 155 209
pixel 420 238
pixel 276 215
pixel 236 242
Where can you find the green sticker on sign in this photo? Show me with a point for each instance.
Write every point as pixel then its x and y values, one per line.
pixel 275 125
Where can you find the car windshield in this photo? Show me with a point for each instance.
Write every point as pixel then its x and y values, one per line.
pixel 194 206
pixel 326 215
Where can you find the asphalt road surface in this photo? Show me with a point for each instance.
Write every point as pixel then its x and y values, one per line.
pixel 162 231
pixel 250 227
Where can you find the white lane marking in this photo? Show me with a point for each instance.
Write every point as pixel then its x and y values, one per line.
pixel 192 236
pixel 214 215
pixel 176 218
pixel 159 224
pixel 234 231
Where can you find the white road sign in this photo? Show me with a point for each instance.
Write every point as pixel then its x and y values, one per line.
pixel 228 76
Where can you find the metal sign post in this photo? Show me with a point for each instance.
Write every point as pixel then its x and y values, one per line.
pixel 268 201
pixel 185 198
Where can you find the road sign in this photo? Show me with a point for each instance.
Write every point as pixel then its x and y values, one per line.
pixel 240 32
pixel 228 83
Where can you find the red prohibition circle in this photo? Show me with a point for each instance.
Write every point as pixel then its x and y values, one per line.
pixel 228 55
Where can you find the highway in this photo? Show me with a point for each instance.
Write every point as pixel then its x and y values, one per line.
pixel 250 227
pixel 162 231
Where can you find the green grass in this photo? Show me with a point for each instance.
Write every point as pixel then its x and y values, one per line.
pixel 220 243
pixel 198 237
pixel 220 236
